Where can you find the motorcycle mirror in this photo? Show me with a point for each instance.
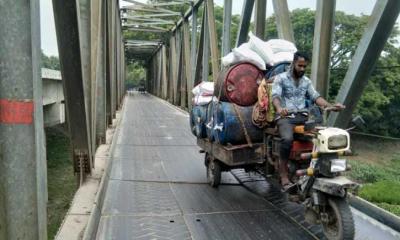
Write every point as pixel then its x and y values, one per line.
pixel 359 122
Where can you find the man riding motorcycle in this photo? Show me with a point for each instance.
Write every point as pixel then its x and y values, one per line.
pixel 289 92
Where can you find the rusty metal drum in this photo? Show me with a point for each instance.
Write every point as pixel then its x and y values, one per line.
pixel 238 84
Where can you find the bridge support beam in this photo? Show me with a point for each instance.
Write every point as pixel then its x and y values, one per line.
pixel 172 64
pixel 66 20
pixel 84 26
pixel 206 47
pixel 98 28
pixel 200 52
pixel 323 34
pixel 226 30
pixel 260 10
pixel 244 22
pixel 164 73
pixel 285 30
pixel 186 100
pixel 23 179
pixel 213 39
pixel 377 32
pixel 193 49
pixel 178 67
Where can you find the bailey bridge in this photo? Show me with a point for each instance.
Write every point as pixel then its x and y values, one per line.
pixel 151 183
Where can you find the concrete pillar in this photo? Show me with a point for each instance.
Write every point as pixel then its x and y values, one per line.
pixel 323 35
pixel 23 186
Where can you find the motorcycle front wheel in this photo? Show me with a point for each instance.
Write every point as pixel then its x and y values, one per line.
pixel 338 222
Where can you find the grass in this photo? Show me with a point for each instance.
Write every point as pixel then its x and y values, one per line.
pixel 376 166
pixel 60 178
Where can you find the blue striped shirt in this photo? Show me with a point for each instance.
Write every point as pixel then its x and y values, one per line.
pixel 292 95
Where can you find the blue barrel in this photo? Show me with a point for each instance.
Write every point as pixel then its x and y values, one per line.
pixel 191 121
pixel 198 118
pixel 210 120
pixel 228 128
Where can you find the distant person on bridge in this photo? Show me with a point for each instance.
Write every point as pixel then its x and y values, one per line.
pixel 289 93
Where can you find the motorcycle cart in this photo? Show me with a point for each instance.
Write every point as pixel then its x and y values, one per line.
pixel 315 167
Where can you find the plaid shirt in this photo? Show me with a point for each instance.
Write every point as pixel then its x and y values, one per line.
pixel 293 97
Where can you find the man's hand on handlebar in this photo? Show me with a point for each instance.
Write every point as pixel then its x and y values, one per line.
pixel 335 107
pixel 282 111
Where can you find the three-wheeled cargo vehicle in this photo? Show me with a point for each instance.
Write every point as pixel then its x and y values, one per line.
pixel 315 167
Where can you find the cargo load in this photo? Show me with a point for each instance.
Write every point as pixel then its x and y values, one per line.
pixel 238 106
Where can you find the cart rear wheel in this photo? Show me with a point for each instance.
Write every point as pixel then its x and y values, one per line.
pixel 214 173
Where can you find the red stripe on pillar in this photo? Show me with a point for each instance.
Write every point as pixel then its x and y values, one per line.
pixel 16 111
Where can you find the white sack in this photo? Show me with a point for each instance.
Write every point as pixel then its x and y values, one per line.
pixel 283 57
pixel 244 54
pixel 229 59
pixel 202 100
pixel 204 89
pixel 280 45
pixel 261 48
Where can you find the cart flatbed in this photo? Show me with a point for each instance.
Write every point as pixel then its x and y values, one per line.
pixel 234 155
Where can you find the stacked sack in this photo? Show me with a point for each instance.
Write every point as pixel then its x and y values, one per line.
pixel 240 91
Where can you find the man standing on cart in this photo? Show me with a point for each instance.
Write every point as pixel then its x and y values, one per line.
pixel 289 93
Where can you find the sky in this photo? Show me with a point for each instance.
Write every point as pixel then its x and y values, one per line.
pixel 49 41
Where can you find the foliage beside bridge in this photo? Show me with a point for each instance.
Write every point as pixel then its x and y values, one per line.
pixel 376 165
pixel 60 178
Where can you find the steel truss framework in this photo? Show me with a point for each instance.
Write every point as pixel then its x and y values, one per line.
pixel 92 54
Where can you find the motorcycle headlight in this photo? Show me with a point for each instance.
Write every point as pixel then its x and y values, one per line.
pixel 338 165
pixel 337 142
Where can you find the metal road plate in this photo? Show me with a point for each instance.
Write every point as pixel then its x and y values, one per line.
pixel 134 153
pixel 179 163
pixel 143 228
pixel 245 226
pixel 141 169
pixel 156 131
pixel 183 164
pixel 139 199
pixel 201 198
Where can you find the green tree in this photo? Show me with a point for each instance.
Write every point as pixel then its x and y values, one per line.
pixel 51 62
